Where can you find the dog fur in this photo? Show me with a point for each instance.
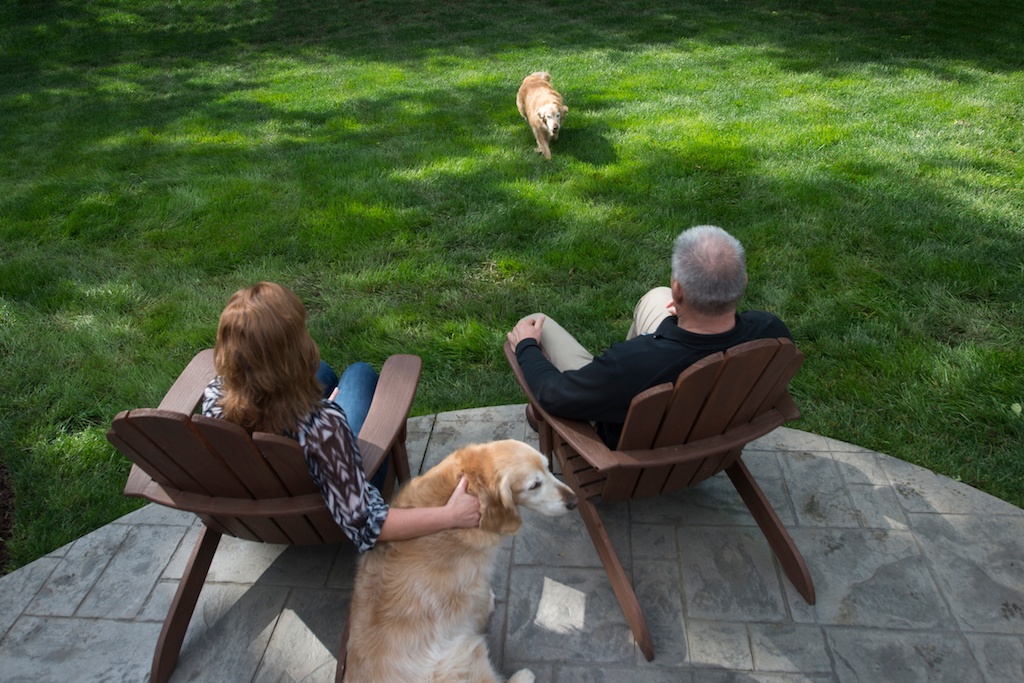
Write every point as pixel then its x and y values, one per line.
pixel 542 107
pixel 420 607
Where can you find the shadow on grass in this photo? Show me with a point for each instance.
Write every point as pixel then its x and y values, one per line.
pixel 809 34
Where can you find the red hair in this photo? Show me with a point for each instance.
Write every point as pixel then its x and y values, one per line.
pixel 267 360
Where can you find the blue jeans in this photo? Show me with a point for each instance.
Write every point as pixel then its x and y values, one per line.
pixel 355 393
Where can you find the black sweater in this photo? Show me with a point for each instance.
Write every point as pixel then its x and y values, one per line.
pixel 602 390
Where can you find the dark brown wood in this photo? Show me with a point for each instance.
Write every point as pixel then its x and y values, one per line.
pixel 256 487
pixel 172 635
pixel 676 436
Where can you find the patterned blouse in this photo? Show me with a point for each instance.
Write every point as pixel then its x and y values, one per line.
pixel 335 466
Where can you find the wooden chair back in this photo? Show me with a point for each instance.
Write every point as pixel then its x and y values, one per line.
pixel 717 400
pixel 253 487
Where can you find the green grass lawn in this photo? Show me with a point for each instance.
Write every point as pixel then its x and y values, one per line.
pixel 158 156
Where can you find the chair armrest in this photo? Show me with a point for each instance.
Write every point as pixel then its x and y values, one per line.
pixel 186 393
pixel 392 401
pixel 580 435
pixel 583 438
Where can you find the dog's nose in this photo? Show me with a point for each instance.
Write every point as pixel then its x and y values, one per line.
pixel 571 501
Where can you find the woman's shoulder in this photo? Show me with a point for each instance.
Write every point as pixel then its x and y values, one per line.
pixel 325 414
pixel 212 396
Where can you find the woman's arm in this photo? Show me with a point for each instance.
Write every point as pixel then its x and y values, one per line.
pixel 461 511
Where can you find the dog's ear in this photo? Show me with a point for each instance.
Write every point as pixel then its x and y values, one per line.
pixel 565 109
pixel 500 513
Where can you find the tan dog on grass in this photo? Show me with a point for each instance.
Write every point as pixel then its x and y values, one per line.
pixel 541 105
pixel 420 607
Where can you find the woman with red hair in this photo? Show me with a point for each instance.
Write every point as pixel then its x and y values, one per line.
pixel 270 379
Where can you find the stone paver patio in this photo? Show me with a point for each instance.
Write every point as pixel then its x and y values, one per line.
pixel 918 577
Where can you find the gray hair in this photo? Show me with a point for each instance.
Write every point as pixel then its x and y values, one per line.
pixel 711 268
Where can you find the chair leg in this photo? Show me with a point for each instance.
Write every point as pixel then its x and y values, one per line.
pixel 176 624
pixel 771 526
pixel 401 458
pixel 339 672
pixel 616 574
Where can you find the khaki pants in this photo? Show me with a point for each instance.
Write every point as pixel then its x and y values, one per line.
pixel 565 353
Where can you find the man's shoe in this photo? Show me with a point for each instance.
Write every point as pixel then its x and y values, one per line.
pixel 531 417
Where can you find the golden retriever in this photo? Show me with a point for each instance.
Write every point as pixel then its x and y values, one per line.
pixel 541 105
pixel 420 607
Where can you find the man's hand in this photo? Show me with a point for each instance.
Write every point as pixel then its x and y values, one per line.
pixel 527 328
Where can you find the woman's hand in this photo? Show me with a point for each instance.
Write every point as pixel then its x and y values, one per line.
pixel 463 506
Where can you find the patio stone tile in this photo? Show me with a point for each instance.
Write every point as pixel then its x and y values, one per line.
pixel 612 674
pixel 1001 658
pixel 19 588
pixel 704 676
pixel 457 429
pixel 877 507
pixel 789 648
pixel 62 649
pixel 543 671
pixel 654 542
pixel 565 614
pixel 561 541
pixel 977 562
pixel 730 576
pixel 343 571
pixel 789 439
pixel 887 656
pixel 713 502
pixel 872 578
pixel 502 568
pixel 154 514
pixel 418 431
pixel 495 635
pixel 304 644
pixel 239 561
pixel 817 491
pixel 719 644
pixel 922 490
pixel 123 587
pixel 657 589
pixel 229 631
pixel 860 466
pixel 77 572
pixel 159 601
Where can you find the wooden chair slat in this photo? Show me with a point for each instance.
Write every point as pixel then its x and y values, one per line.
pixel 687 399
pixel 644 417
pixel 738 373
pixel 772 382
pixel 236 450
pixel 147 431
pixel 285 460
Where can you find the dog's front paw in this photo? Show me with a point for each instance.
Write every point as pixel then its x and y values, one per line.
pixel 522 676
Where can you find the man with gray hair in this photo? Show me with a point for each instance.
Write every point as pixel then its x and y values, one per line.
pixel 673 327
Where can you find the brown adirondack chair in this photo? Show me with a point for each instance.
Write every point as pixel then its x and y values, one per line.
pixel 676 435
pixel 255 487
